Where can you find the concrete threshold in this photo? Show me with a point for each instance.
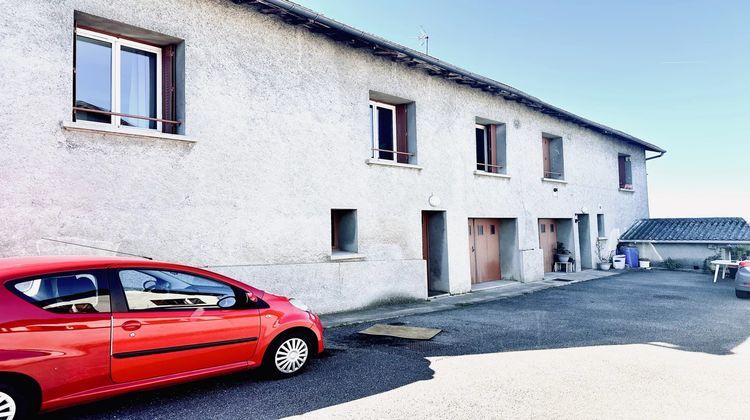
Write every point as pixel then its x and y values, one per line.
pixel 448 302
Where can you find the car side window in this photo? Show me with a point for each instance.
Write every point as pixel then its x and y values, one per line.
pixel 158 289
pixel 67 293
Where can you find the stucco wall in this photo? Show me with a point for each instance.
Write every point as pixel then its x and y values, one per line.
pixel 687 255
pixel 280 117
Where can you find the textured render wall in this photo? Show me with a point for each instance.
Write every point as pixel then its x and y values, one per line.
pixel 688 255
pixel 281 122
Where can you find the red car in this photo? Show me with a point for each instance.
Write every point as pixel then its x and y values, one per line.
pixel 78 329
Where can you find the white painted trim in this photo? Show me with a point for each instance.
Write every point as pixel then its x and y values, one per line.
pixel 386 162
pixel 491 174
pixel 485 140
pixel 630 190
pixel 115 45
pixel 375 128
pixel 557 181
pixel 100 128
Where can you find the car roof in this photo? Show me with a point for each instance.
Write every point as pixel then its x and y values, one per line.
pixel 18 267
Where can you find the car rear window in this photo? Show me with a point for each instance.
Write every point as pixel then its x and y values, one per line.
pixel 67 293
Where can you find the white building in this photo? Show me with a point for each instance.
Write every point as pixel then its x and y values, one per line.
pixel 308 158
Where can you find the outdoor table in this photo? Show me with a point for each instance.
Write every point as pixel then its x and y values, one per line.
pixel 726 264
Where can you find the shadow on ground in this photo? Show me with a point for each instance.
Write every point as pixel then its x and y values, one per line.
pixel 683 311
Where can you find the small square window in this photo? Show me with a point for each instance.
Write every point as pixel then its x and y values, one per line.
pixel 492 229
pixel 481 230
pixel 551 227
pixel 344 230
pixel 543 228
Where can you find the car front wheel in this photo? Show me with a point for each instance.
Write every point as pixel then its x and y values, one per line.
pixel 742 294
pixel 287 357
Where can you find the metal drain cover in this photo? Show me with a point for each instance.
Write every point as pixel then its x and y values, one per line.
pixel 401 331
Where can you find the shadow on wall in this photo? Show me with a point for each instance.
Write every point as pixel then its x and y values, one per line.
pixel 668 310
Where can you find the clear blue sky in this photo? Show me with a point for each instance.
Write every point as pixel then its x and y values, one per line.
pixel 674 73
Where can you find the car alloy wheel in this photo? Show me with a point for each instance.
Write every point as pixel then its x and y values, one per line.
pixel 7 407
pixel 291 355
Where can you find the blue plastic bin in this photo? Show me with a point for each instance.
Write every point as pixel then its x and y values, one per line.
pixel 631 256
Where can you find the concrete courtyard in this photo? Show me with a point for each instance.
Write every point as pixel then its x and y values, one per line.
pixel 642 344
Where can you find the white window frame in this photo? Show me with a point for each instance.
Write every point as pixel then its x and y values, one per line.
pixel 374 130
pixel 487 158
pixel 116 44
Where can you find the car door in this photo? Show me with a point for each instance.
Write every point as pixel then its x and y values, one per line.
pixel 65 335
pixel 172 323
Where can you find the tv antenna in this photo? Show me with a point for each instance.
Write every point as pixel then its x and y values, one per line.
pixel 424 40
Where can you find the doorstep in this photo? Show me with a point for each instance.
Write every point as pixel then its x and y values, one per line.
pixel 447 302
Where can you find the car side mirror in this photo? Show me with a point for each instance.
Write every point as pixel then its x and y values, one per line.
pixel 149 285
pixel 227 302
pixel 251 297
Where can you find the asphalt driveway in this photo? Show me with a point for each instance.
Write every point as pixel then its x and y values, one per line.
pixel 642 344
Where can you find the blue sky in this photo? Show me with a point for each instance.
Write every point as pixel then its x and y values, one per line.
pixel 674 73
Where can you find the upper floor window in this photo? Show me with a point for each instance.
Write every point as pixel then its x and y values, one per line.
pixel 392 130
pixel 552 155
pixel 490 147
pixel 117 81
pixel 625 171
pixel 123 82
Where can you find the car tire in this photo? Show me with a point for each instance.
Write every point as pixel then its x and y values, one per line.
pixel 287 356
pixel 742 294
pixel 12 404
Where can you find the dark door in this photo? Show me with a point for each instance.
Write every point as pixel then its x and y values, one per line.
pixel 435 250
pixel 173 323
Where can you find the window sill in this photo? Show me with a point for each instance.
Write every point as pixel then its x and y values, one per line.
pixel 602 238
pixel 123 131
pixel 630 190
pixel 557 181
pixel 491 174
pixel 383 162
pixel 346 256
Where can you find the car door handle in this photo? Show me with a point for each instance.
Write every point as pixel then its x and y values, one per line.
pixel 131 325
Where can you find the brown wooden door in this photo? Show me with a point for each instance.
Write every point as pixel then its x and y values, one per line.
pixel 548 241
pixel 484 248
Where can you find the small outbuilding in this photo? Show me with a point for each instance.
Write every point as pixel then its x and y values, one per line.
pixel 689 242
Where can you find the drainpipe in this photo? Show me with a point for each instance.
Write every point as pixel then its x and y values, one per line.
pixel 657 156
